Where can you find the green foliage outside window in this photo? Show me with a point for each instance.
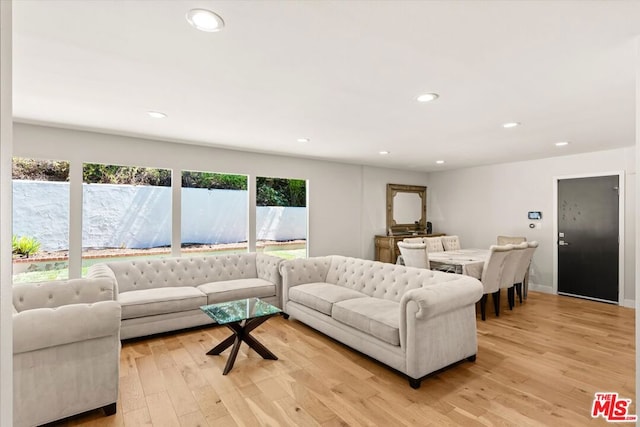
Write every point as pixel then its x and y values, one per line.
pixel 95 173
pixel 25 245
pixel 281 192
pixel 40 170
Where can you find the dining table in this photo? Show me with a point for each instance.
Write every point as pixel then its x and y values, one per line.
pixel 469 262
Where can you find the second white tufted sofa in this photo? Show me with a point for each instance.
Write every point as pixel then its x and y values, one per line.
pixel 414 320
pixel 165 294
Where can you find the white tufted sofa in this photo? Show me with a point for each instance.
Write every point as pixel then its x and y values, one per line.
pixel 165 294
pixel 66 349
pixel 416 321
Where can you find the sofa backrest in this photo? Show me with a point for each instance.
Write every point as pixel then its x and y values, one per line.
pixel 194 271
pixel 27 296
pixel 381 280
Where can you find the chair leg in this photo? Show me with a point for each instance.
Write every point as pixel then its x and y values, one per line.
pixel 483 306
pixel 519 291
pixel 511 297
pixel 496 302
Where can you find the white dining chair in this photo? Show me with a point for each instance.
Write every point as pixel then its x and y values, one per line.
pixel 510 240
pixel 511 274
pixel 413 240
pixel 434 244
pixel 491 279
pixel 524 284
pixel 451 243
pixel 414 254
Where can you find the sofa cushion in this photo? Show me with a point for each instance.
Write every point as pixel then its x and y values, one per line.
pixel 322 296
pixel 374 316
pixel 150 302
pixel 237 289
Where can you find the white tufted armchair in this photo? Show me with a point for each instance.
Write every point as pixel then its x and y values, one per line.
pixel 66 349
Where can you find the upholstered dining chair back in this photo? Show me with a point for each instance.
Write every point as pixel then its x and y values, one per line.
pixel 510 240
pixel 451 243
pixel 413 240
pixel 414 254
pixel 531 249
pixel 523 259
pixel 510 266
pixel 434 244
pixel 494 267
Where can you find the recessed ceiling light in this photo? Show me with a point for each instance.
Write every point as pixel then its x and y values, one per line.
pixel 156 114
pixel 427 97
pixel 440 162
pixel 205 20
pixel 511 125
pixel 562 143
pixel 384 153
pixel 303 139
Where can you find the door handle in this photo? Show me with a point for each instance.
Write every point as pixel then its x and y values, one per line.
pixel 562 243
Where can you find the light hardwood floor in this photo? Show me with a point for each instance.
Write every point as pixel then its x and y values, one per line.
pixel 539 364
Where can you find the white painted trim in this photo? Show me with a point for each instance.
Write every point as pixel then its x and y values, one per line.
pixel 252 185
pixel 176 212
pixel 629 303
pixel 545 289
pixel 75 219
pixel 621 226
pixel 6 153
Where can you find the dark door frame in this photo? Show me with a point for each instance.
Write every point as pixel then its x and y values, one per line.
pixel 621 203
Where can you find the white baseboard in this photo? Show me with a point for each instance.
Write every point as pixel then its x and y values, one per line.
pixel 629 303
pixel 540 288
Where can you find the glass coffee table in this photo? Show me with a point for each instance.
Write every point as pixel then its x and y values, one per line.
pixel 241 317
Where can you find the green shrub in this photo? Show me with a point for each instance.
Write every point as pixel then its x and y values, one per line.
pixel 25 245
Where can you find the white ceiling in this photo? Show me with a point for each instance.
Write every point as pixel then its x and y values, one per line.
pixel 343 73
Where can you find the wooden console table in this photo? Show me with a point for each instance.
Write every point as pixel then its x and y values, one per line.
pixel 387 246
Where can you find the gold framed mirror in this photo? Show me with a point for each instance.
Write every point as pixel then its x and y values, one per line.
pixel 406 209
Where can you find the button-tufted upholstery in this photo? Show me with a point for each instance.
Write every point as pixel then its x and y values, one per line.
pixel 414 320
pixel 164 294
pixel 66 348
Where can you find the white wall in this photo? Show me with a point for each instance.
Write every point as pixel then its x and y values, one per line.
pixel 346 202
pixel 6 147
pixel 482 202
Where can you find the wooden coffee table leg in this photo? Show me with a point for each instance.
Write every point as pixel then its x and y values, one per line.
pixel 232 356
pixel 259 348
pixel 242 333
pixel 222 346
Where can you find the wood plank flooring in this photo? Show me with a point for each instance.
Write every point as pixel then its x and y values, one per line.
pixel 539 364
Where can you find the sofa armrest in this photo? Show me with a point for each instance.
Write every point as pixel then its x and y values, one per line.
pixel 29 296
pixel 48 327
pixel 304 270
pixel 443 297
pixel 268 268
pixel 300 271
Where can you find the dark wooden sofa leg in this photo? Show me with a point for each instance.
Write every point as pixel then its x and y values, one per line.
pixel 285 315
pixel 110 409
pixel 415 383
pixel 471 358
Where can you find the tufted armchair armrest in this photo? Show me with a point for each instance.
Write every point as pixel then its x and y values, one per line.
pixel 39 328
pixel 102 271
pixel 29 296
pixel 268 268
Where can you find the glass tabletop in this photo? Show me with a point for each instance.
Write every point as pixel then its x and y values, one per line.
pixel 236 311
